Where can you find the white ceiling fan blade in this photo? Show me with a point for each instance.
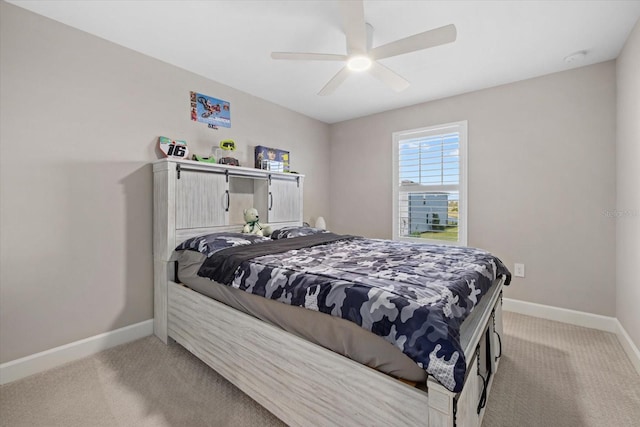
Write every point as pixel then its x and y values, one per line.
pixel 388 77
pixel 336 81
pixel 354 26
pixel 301 56
pixel 431 38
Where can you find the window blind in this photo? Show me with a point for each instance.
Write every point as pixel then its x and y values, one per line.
pixel 429 182
pixel 431 160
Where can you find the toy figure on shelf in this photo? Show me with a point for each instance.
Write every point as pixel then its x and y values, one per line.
pixel 253 226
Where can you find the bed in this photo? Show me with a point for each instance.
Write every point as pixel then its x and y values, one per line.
pixel 295 371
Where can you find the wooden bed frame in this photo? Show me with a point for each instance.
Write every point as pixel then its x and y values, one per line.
pixel 300 382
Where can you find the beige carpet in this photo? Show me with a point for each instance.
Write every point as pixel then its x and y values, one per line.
pixel 551 374
pixel 554 374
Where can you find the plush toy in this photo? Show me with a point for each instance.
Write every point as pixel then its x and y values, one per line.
pixel 253 225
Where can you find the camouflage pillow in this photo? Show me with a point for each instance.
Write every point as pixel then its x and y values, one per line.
pixel 210 243
pixel 287 232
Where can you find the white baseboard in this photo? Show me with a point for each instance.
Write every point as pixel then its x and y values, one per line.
pixel 564 315
pixel 629 347
pixel 578 318
pixel 39 362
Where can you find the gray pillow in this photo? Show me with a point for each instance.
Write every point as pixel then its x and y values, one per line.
pixel 208 244
pixel 288 232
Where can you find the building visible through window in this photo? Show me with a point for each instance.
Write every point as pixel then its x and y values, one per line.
pixel 429 167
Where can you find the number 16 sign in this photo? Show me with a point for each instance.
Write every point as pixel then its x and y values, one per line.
pixel 173 148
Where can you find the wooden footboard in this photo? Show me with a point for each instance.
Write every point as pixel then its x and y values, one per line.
pixel 467 408
pixel 299 382
pixel 302 383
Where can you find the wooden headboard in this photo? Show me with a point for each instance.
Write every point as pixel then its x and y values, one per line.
pixel 194 198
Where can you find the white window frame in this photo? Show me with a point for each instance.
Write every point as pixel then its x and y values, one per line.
pixel 461 128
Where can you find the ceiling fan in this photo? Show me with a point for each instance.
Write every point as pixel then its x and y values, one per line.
pixel 361 56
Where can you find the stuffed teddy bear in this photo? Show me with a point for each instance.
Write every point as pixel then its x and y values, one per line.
pixel 253 225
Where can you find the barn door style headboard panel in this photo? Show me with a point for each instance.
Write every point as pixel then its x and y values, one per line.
pixel 193 198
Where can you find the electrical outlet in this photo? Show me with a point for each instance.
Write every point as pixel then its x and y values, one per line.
pixel 518 270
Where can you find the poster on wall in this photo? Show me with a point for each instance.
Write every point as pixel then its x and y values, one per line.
pixel 212 111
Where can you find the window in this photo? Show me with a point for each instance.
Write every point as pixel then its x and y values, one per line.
pixel 430 184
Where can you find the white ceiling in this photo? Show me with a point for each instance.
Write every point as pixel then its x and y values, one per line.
pixel 230 42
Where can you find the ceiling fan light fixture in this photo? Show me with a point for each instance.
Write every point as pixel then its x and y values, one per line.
pixel 360 56
pixel 359 63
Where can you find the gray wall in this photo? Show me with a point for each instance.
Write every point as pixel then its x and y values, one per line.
pixel 627 217
pixel 541 173
pixel 80 119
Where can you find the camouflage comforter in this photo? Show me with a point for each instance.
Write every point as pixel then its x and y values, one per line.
pixel 415 296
